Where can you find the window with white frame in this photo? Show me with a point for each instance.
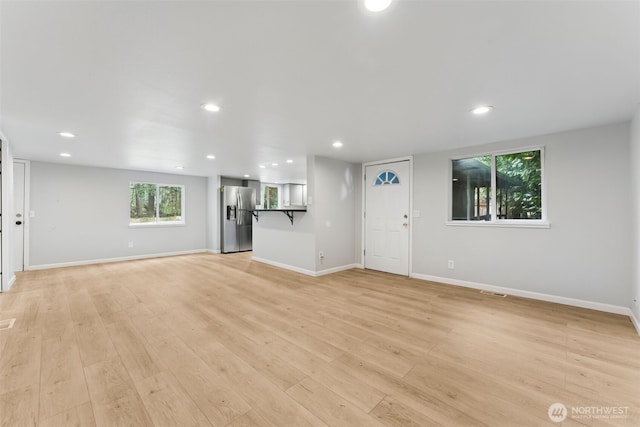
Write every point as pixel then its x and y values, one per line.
pixel 270 196
pixel 504 187
pixel 156 204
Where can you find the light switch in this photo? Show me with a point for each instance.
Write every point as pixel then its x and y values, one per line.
pixel 32 214
pixel 416 213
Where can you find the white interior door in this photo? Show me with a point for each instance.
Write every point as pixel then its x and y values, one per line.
pixel 19 216
pixel 387 202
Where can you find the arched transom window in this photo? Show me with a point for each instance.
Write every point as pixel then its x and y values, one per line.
pixel 386 177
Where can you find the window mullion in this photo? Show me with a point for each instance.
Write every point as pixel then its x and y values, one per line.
pixel 157 204
pixel 494 189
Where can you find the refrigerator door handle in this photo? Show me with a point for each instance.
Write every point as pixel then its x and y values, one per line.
pixel 240 219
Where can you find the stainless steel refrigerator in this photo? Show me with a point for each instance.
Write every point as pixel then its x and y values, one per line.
pixel 236 221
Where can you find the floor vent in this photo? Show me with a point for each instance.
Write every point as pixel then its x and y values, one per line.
pixel 7 324
pixel 494 294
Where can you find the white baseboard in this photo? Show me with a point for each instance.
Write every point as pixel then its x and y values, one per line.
pixel 10 283
pixel 305 271
pixel 213 251
pixel 337 269
pixel 609 308
pixel 108 260
pixel 285 266
pixel 635 321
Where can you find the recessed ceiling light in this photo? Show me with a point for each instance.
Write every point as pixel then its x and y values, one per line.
pixel 337 144
pixel 262 166
pixel 376 5
pixel 211 157
pixel 246 175
pixel 180 168
pixel 67 134
pixel 212 108
pixel 482 109
pixel 65 155
pixel 289 161
pixel 274 164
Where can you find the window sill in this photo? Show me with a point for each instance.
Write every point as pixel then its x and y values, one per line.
pixel 500 224
pixel 157 225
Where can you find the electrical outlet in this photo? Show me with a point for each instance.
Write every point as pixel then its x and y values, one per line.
pixel 130 244
pixel 635 300
pixel 321 255
pixel 450 264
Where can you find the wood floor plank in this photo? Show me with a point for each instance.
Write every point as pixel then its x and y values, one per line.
pixel 125 411
pixel 250 419
pixel 349 387
pixel 224 340
pixel 20 360
pixel 393 413
pixel 302 359
pixel 19 407
pixel 62 381
pixel 80 416
pixel 275 405
pixel 219 402
pixel 168 404
pixel 432 406
pixel 94 341
pixel 279 371
pixel 474 392
pixel 229 368
pixel 24 308
pixel 138 357
pixel 321 349
pixel 111 301
pixel 81 307
pixel 108 380
pixel 328 406
pixel 169 347
pixel 114 398
pixel 616 377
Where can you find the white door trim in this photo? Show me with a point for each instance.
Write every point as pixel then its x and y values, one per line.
pixel 27 218
pixel 363 205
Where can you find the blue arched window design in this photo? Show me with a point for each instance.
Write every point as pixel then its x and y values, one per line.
pixel 386 177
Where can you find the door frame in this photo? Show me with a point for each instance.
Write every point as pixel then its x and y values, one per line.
pixel 27 209
pixel 363 205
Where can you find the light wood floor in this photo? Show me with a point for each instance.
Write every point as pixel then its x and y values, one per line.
pixel 221 340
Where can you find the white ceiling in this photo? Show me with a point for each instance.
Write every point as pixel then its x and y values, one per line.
pixel 292 76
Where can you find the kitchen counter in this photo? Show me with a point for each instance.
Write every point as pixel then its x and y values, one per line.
pixel 287 211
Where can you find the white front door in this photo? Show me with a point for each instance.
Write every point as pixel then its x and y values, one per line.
pixel 18 218
pixel 387 202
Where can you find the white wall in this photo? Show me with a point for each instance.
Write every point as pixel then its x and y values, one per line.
pixel 586 254
pixel 277 241
pixel 82 214
pixel 8 273
pixel 213 209
pixel 635 197
pixel 335 200
pixel 328 225
pixel 357 226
